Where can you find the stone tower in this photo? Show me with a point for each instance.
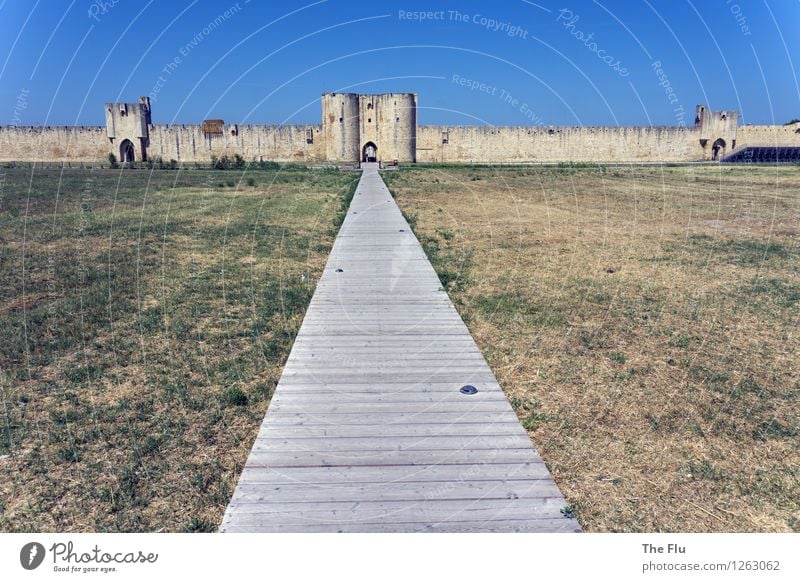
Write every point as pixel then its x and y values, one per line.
pixel 717 131
pixel 363 127
pixel 127 128
pixel 340 126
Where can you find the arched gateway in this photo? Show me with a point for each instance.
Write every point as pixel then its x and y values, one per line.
pixel 127 153
pixel 369 153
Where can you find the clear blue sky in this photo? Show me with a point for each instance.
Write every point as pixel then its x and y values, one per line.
pixel 268 62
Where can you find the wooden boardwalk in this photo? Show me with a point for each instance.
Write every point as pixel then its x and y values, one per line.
pixel 368 430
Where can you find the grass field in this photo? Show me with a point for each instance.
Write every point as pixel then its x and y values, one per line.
pixel 644 324
pixel 145 319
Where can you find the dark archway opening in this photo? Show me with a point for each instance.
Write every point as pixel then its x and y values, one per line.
pixel 127 153
pixel 718 150
pixel 369 153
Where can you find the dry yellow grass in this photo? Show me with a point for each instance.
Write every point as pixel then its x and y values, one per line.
pixel 643 322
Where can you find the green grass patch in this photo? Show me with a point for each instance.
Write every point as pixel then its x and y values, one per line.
pixel 157 309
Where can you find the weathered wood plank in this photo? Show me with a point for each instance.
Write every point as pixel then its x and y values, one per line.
pixel 474 405
pixel 384 419
pixel 373 389
pixel 304 493
pixel 379 458
pixel 545 525
pixel 391 430
pixel 350 474
pixel 377 377
pixel 374 443
pixel 298 398
pixel 425 511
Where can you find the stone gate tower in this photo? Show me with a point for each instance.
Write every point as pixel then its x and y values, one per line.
pixel 717 131
pixel 362 127
pixel 127 128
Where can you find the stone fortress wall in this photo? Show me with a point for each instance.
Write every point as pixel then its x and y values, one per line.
pixel 557 144
pixel 768 135
pixel 354 125
pixel 51 143
pixel 188 143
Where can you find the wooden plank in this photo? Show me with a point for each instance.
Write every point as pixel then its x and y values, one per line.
pixel 378 376
pixel 409 340
pixel 394 473
pixel 356 419
pixel 298 398
pixel 326 387
pixel 426 511
pixel 392 430
pixel 305 493
pixel 380 458
pixel 545 525
pixel 376 443
pixel 363 367
pixel 474 405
